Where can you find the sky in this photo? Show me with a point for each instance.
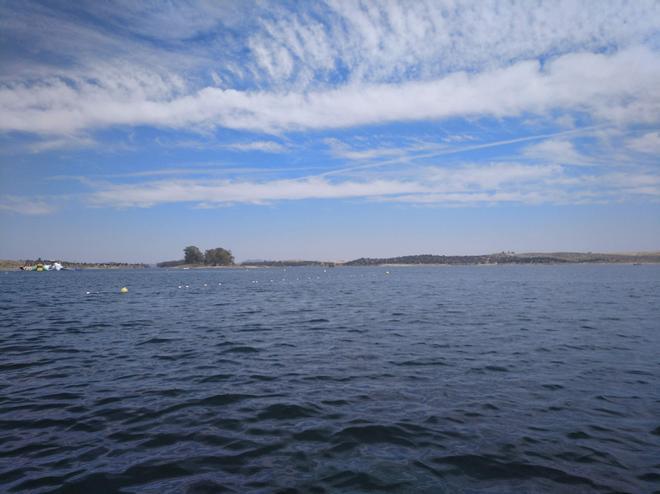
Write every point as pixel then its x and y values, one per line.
pixel 329 129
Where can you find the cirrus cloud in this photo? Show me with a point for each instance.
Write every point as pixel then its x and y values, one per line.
pixel 597 84
pixel 26 205
pixel 468 184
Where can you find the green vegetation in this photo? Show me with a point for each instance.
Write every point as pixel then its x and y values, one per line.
pixel 287 264
pixel 193 256
pixel 218 257
pixel 222 257
pixel 171 264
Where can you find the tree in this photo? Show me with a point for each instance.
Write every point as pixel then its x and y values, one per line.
pixel 192 255
pixel 218 257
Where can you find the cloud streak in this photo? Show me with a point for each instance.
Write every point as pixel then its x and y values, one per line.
pixel 596 84
pixel 469 184
pixel 261 146
pixel 26 205
pixel 648 143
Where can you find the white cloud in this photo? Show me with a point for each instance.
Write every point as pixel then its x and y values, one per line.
pixel 394 156
pixel 467 184
pixel 169 20
pixel 648 143
pixel 490 198
pixel 599 84
pixel 559 151
pixel 341 149
pixel 327 65
pixel 492 176
pixel 459 138
pixel 41 43
pixel 387 41
pixel 303 44
pixel 263 146
pixel 225 191
pixel 65 142
pixel 26 205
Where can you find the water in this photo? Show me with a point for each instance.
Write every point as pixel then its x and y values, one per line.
pixel 427 379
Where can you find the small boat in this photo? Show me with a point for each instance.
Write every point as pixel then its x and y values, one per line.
pixel 41 267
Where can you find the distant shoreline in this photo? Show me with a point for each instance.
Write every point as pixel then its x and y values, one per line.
pixel 511 258
pixel 503 258
pixel 11 265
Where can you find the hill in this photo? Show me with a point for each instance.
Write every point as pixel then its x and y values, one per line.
pixel 512 258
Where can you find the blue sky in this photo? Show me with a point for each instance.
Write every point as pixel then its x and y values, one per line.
pixel 328 130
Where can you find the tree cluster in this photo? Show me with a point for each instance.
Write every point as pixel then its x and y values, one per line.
pixel 212 257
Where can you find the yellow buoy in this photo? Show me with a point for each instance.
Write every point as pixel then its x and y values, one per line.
pixel 123 290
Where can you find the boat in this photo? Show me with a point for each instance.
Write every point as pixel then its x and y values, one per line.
pixel 40 267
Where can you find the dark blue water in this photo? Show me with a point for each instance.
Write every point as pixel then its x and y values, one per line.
pixel 440 379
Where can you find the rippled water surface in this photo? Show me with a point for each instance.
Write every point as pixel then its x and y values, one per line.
pixel 426 379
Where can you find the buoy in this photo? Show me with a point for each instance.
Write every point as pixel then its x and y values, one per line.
pixel 123 290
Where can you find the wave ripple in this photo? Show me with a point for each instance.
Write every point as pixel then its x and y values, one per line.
pixel 462 379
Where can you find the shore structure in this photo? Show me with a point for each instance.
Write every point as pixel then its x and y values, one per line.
pixel 502 258
pixel 51 265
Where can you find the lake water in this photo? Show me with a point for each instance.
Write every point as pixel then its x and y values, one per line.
pixel 425 380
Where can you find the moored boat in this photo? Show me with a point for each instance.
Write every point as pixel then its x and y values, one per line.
pixel 40 267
